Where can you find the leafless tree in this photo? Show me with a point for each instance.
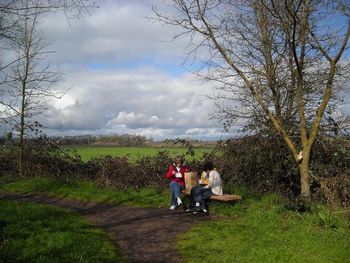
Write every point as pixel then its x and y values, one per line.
pixel 28 83
pixel 27 79
pixel 277 62
pixel 13 11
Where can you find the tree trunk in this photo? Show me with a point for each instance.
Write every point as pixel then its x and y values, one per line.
pixel 305 174
pixel 20 161
pixel 21 142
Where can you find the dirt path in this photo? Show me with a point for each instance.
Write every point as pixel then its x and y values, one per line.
pixel 143 234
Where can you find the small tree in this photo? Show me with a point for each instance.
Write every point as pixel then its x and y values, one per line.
pixel 28 84
pixel 279 59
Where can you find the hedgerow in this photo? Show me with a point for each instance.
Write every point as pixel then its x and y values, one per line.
pixel 257 163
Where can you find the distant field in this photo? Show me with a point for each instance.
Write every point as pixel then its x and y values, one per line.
pixel 134 153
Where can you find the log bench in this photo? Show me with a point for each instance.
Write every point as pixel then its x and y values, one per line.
pixel 191 180
pixel 223 198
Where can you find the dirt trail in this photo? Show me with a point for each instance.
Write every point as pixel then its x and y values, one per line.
pixel 143 234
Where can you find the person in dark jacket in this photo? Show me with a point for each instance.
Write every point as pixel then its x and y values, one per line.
pixel 176 174
pixel 209 184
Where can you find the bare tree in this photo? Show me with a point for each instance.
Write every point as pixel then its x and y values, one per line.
pixel 28 84
pixel 13 11
pixel 27 79
pixel 73 8
pixel 281 60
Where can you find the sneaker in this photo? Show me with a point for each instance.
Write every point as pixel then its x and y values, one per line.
pixel 179 201
pixel 189 210
pixel 197 209
pixel 172 207
pixel 201 213
pixel 196 212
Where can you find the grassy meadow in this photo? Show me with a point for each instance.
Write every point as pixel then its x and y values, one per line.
pixel 257 229
pixel 133 153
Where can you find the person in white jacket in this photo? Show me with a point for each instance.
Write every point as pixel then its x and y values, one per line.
pixel 201 193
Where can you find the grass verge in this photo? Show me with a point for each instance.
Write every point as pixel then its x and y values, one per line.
pixel 41 233
pixel 86 190
pixel 265 231
pixel 254 230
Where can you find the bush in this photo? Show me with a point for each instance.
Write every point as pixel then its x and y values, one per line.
pixel 120 172
pixel 264 164
pixel 334 190
pixel 45 157
pixel 41 156
pixel 257 163
pixel 331 171
pixel 7 159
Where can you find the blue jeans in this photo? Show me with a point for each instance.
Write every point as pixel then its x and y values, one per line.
pixel 200 195
pixel 176 190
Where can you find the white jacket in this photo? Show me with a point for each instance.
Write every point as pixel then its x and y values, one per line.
pixel 215 183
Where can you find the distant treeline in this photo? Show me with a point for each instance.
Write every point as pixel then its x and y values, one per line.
pixel 123 140
pixel 114 139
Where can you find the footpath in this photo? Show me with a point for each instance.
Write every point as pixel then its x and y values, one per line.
pixel 143 234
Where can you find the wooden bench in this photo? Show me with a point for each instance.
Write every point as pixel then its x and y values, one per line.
pixel 223 198
pixel 191 180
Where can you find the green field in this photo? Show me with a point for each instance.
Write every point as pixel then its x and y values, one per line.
pixel 134 153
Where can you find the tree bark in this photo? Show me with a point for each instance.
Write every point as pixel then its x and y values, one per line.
pixel 304 170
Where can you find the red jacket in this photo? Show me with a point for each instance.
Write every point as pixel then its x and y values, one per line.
pixel 171 174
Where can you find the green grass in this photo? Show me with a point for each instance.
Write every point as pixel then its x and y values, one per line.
pixel 134 153
pixel 86 190
pixel 253 230
pixel 42 233
pixel 264 231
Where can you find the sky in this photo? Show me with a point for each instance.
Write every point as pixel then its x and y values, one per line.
pixel 123 74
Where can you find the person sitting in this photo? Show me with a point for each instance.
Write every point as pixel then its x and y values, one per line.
pixel 210 183
pixel 176 174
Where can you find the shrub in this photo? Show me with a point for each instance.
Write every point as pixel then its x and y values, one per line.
pixel 41 156
pixel 120 172
pixel 264 164
pixel 257 163
pixel 7 159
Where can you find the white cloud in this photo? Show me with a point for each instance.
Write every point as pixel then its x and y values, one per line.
pixel 143 101
pixel 122 75
pixel 118 31
pixel 133 120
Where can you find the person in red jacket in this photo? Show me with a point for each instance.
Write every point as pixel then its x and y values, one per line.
pixel 176 173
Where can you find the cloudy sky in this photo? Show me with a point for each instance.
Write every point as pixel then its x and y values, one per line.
pixel 124 75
